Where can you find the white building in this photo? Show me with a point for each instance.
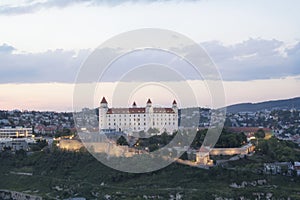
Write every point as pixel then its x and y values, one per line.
pixel 136 119
pixel 18 132
pixel 14 144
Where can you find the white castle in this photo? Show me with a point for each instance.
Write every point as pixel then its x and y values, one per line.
pixel 137 119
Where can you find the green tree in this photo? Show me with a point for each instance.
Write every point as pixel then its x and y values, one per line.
pixel 122 141
pixel 260 133
pixel 153 130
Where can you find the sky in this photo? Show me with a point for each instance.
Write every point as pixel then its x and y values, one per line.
pixel 254 44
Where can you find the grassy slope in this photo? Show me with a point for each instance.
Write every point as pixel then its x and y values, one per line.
pixel 80 174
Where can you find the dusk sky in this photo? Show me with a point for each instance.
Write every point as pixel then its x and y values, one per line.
pixel 255 44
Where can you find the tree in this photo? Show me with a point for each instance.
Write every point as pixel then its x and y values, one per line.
pixel 260 133
pixel 122 141
pixel 153 130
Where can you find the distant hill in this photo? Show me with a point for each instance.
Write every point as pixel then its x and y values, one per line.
pixel 269 105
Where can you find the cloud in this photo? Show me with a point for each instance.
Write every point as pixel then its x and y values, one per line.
pixel 33 6
pixel 4 48
pixel 253 59
pixel 50 66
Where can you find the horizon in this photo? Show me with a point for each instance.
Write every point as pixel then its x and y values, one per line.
pixel 155 105
pixel 40 61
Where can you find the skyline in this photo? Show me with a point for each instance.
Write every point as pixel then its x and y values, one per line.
pixel 65 92
pixel 254 44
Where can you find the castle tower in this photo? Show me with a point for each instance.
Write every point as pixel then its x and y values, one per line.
pixel 102 114
pixel 134 105
pixel 149 103
pixel 103 103
pixel 149 114
pixel 174 106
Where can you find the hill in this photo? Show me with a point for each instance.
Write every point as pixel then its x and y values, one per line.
pixel 267 105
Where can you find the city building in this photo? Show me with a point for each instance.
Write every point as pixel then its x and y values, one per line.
pixel 297 168
pixel 14 144
pixel 18 132
pixel 136 119
pixel 16 138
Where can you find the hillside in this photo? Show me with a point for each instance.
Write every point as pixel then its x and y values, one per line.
pixel 269 105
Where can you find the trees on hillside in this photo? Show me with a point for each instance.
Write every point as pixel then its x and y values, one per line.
pixel 260 133
pixel 122 141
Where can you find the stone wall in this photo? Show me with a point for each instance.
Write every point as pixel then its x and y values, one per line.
pixel 70 145
pixel 232 151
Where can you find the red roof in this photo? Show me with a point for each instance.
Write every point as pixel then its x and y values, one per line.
pixel 103 100
pixel 248 129
pixel 203 150
pixel 149 101
pixel 125 110
pixel 138 110
pixel 163 110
